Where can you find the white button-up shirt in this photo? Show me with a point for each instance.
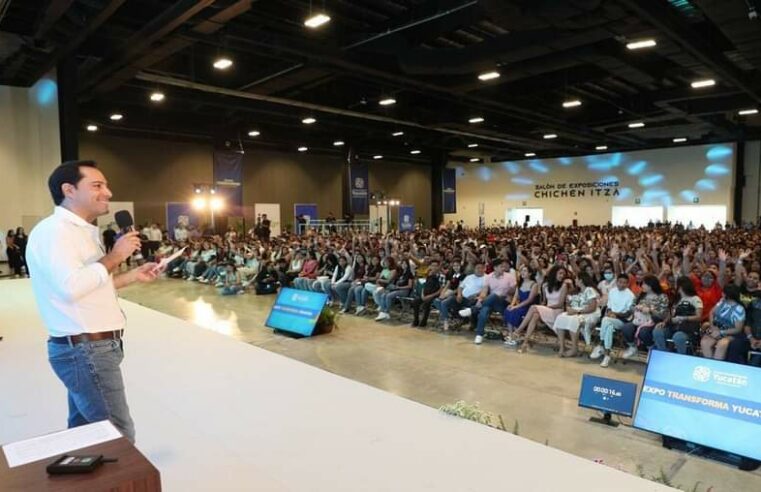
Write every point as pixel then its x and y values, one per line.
pixel 75 294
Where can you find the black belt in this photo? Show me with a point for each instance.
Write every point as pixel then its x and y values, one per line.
pixel 88 337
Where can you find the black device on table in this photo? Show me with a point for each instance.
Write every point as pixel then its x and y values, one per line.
pixel 77 464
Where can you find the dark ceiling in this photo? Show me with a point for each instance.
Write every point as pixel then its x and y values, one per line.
pixel 425 54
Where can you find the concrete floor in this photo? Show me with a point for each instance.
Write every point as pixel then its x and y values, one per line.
pixel 537 390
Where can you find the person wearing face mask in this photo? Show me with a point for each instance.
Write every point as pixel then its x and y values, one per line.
pixel 607 284
pixel 684 322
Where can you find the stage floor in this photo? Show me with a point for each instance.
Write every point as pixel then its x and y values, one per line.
pixel 213 413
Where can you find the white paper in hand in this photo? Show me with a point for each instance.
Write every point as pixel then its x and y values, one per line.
pixel 164 262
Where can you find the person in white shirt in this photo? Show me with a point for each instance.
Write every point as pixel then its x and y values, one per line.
pixel 180 233
pixel 620 306
pixel 76 295
pixel 466 296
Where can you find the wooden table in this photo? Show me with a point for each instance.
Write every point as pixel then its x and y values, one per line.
pixel 132 473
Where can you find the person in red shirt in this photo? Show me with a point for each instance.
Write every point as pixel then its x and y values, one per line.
pixel 708 289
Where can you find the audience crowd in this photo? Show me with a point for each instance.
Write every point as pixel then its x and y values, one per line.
pixel 619 289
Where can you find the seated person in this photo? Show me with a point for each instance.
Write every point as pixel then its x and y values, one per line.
pixel 467 293
pixel 431 290
pixel 401 287
pixel 308 272
pixel 684 322
pixel 619 310
pixel 357 291
pixel 498 289
pixel 232 284
pixel 386 277
pixel 525 296
pixel 553 297
pixel 651 307
pixel 266 281
pixel 726 321
pixel 750 297
pixel 582 313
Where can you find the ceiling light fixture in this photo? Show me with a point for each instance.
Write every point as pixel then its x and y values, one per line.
pixel 680 140
pixel 636 124
pixel 601 147
pixel 474 159
pixel 223 63
pixel 414 152
pixel 376 157
pixel 550 136
pixel 472 146
pixel 643 43
pixel 529 154
pixel 316 20
pixel 489 76
pixel 387 101
pixel 303 149
pixel 699 84
pixel 575 103
pixel 746 112
pixel 308 121
pixel 476 119
pixel 116 117
pixel 397 134
pixel 157 96
pixel 338 143
pixel 92 128
pixel 253 133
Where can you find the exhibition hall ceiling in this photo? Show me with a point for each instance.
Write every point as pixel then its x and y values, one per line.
pixel 407 80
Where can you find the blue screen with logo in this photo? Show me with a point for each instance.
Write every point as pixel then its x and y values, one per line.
pixel 607 395
pixel 296 311
pixel 703 401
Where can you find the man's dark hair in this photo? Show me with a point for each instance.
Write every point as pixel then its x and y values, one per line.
pixel 68 172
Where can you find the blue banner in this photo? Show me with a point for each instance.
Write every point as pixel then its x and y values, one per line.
pixel 449 190
pixel 180 213
pixel 359 186
pixel 406 218
pixel 304 209
pixel 228 175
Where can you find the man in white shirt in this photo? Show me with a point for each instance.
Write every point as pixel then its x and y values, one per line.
pixel 467 294
pixel 180 233
pixel 76 295
pixel 620 305
pixel 498 290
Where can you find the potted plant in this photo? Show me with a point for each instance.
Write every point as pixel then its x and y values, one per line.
pixel 326 322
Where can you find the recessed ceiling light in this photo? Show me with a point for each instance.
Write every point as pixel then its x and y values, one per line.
pixel 477 119
pixel 636 124
pixel 157 96
pixel 414 152
pixel 253 133
pixel 338 143
pixel 387 101
pixel 489 75
pixel 376 157
pixel 474 159
pixel 679 140
pixel 397 134
pixel 572 104
pixel 223 63
pixel 746 112
pixel 308 121
pixel 317 20
pixel 698 84
pixel 643 43
pixel 472 146
pixel 92 128
pixel 529 154
pixel 601 147
pixel 303 149
pixel 550 136
pixel 116 116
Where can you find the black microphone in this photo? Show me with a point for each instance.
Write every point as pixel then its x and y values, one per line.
pixel 124 220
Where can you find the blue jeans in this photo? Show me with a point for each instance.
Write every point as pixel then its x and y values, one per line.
pixel 490 304
pixel 90 371
pixel 680 338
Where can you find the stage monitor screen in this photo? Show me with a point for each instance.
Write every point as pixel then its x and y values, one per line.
pixel 296 311
pixel 702 401
pixel 607 395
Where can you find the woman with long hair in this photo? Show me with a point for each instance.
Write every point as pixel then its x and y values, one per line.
pixel 582 313
pixel 651 307
pixel 684 322
pixel 553 294
pixel 525 296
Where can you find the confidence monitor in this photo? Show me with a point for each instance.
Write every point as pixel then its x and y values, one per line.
pixel 296 311
pixel 704 406
pixel 609 396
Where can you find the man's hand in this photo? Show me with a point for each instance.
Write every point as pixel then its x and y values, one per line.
pixel 123 249
pixel 147 272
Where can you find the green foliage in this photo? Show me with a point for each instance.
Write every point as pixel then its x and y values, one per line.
pixel 327 321
pixel 662 477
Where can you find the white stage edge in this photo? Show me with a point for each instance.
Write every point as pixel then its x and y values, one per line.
pixel 213 413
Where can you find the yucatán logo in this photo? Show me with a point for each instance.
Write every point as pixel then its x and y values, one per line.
pixel 703 374
pixel 359 182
